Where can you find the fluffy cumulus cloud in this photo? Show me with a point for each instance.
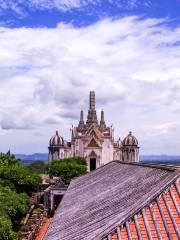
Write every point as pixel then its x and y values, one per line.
pixel 132 63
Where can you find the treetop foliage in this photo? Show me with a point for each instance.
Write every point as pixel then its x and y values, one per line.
pixel 15 175
pixel 37 167
pixel 67 168
pixel 7 159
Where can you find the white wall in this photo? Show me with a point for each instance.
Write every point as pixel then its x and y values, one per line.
pixel 107 151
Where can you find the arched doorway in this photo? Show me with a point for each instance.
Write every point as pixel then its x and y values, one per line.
pixel 92 164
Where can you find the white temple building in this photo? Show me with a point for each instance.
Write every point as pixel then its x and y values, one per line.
pixel 94 141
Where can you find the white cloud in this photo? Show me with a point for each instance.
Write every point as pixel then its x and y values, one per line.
pixel 130 4
pixel 63 5
pixel 162 129
pixel 46 74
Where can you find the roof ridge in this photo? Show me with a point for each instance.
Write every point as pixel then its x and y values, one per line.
pixel 170 180
pixel 152 165
pixel 158 166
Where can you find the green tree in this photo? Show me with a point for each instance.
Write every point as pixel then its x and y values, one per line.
pixel 77 160
pixel 37 167
pixel 16 176
pixel 6 229
pixel 16 182
pixel 8 159
pixel 13 206
pixel 67 168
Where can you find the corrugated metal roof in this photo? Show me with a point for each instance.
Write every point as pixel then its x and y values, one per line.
pixel 99 202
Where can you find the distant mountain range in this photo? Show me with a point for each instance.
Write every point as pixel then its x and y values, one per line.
pixel 159 158
pixel 27 159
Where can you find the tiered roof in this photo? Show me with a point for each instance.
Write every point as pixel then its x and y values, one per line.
pixel 120 201
pixel 92 122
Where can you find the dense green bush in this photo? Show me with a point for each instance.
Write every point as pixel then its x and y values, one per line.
pixel 67 168
pixel 6 231
pixel 16 183
pixel 13 206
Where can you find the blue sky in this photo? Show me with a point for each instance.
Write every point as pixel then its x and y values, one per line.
pixel 47 13
pixel 53 52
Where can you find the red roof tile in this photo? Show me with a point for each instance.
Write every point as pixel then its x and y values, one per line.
pixel 153 219
pixel 43 230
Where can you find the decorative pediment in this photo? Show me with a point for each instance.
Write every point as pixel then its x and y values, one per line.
pixel 93 143
pixel 92 154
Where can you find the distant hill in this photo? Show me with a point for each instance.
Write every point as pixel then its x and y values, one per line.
pixel 160 159
pixel 27 159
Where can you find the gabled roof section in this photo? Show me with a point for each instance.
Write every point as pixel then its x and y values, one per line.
pixel 94 131
pixel 100 201
pixel 93 143
pixel 92 154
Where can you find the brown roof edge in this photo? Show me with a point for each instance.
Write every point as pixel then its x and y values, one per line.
pixel 170 180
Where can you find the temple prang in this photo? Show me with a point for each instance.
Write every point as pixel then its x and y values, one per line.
pixel 94 141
